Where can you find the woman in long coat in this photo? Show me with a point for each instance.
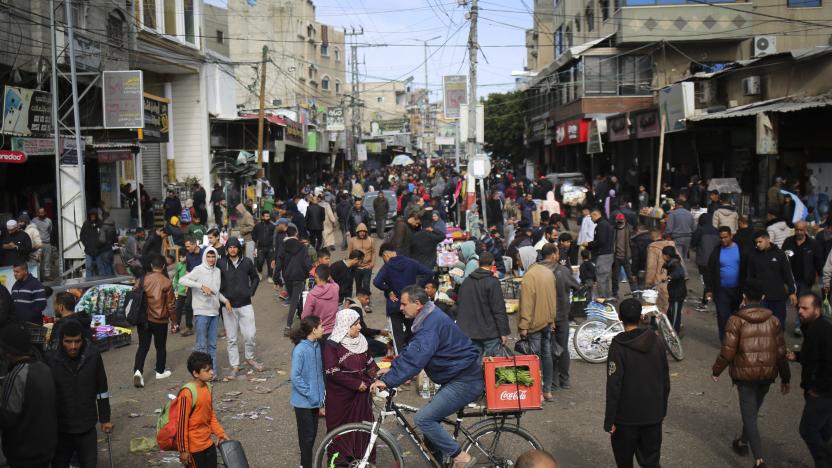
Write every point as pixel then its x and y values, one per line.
pixel 350 370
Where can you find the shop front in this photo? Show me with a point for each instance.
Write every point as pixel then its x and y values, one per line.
pixel 570 147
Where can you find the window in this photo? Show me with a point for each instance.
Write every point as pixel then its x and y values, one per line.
pixel 337 53
pixel 337 86
pixel 578 22
pixel 600 76
pixel 310 31
pixel 635 75
pixel 605 9
pixel 380 99
pixel 169 16
pixel 569 36
pixel 558 42
pixel 805 3
pixel 190 23
pixel 324 50
pixel 115 29
pixel 79 14
pixel 325 83
pixel 590 17
pixel 220 37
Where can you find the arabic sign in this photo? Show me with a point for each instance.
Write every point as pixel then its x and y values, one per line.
pixel 156 119
pixel 123 99
pixel 12 157
pixel 335 119
pixel 69 156
pixel 446 132
pixel 34 146
pixel 361 150
pixel 109 156
pixel 293 135
pixel 619 128
pixel 455 92
pixel 571 132
pixel 27 112
pixel 647 124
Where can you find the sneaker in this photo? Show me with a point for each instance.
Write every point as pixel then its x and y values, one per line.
pixel 271 281
pixel 257 366
pixel 163 375
pixel 138 379
pixel 739 447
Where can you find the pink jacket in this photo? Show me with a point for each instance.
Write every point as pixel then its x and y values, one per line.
pixel 322 302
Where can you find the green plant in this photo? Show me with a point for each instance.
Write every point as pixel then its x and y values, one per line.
pixel 513 375
pixel 190 181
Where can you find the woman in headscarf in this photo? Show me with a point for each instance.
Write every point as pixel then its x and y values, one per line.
pixel 350 370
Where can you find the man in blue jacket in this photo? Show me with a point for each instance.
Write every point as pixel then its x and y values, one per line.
pixel 448 357
pixel 398 271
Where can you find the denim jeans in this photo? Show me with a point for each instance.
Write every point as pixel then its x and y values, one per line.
pixel 206 336
pixel 603 271
pixel 488 348
pixel 90 263
pixel 751 396
pixel 541 343
pixel 362 279
pixel 294 289
pixel 727 302
pixel 104 263
pixel 816 428
pixel 560 365
pixel 779 310
pixel 453 396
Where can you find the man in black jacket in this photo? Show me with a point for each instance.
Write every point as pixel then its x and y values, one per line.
pixel 770 266
pixel 381 207
pixel 815 357
pixel 239 284
pixel 343 273
pixel 423 243
pixel 342 211
pixel 602 253
pixel 806 261
pixel 16 245
pixel 83 398
pixel 565 283
pixel 294 264
pixel 358 215
pixel 28 417
pixel 724 278
pixel 90 238
pixel 263 237
pixel 315 216
pixel 638 387
pixel 482 309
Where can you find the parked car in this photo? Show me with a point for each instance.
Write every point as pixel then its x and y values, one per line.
pixel 369 197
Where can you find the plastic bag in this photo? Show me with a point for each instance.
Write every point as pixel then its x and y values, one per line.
pixel 827 308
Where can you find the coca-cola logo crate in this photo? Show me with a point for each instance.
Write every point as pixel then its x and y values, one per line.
pixel 523 392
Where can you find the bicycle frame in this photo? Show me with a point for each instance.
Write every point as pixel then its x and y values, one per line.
pixel 399 409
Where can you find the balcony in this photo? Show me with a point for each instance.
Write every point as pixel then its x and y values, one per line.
pixel 644 21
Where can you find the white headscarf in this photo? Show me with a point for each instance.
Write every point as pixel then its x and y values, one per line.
pixel 340 334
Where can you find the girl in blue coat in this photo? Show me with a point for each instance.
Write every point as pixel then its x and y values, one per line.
pixel 308 387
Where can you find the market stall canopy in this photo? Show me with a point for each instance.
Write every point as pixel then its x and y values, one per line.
pixel 729 185
pixel 402 160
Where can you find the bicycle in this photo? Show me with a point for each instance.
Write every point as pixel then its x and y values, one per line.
pixel 495 441
pixel 593 338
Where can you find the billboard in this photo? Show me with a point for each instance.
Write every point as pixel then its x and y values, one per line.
pixel 446 132
pixel 27 112
pixel 454 92
pixel 123 99
pixel 335 119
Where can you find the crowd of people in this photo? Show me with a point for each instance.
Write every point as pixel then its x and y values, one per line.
pixel 442 321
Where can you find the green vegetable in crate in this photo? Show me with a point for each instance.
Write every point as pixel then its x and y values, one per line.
pixel 513 375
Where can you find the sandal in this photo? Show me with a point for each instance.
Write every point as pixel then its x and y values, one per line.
pixel 231 375
pixel 255 365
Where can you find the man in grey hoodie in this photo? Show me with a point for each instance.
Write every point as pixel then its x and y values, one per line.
pixel 205 280
pixel 564 283
pixel 680 227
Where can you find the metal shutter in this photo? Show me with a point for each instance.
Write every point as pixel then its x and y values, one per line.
pixel 152 169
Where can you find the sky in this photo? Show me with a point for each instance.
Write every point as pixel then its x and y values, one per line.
pixel 394 31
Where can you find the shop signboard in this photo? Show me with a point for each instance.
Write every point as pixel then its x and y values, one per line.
pixel 113 155
pixel 27 112
pixel 571 132
pixel 123 99
pixel 69 155
pixel 35 146
pixel 619 128
pixel 676 103
pixel 156 120
pixel 312 141
pixel 647 124
pixel 293 134
pixel 455 92
pixel 335 119
pixel 361 150
pixel 594 145
pixel 446 132
pixel 12 157
pixel 393 126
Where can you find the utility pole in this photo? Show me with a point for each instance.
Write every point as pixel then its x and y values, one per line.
pixel 427 100
pixel 355 105
pixel 471 146
pixel 262 114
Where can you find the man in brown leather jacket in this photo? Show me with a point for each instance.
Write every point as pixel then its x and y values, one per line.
pixel 161 308
pixel 756 353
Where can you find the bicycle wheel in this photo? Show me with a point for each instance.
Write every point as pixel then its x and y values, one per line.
pixel 593 338
pixel 499 445
pixel 671 339
pixel 346 446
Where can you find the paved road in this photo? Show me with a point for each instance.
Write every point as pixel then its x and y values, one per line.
pixel 703 416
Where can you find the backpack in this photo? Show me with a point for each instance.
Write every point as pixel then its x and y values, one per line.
pixel 185 216
pixel 135 310
pixel 168 421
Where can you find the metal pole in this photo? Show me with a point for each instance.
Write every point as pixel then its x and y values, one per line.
pixel 483 203
pixel 139 179
pixel 262 113
pixel 471 147
pixel 57 139
pixel 427 99
pixel 661 161
pixel 76 115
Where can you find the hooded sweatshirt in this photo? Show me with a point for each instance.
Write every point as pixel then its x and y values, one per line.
pixel 293 260
pixel 468 252
pixel 778 231
pixel 705 239
pixel 550 204
pixel 397 273
pixel 203 275
pixel 482 309
pixel 365 245
pixel 322 302
pixel 726 215
pixel 638 380
pixel 239 278
pixel 245 222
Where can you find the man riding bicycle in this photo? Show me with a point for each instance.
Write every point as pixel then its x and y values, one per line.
pixel 448 357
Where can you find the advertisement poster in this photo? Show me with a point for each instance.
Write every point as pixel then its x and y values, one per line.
pixel 27 112
pixel 123 99
pixel 455 92
pixel 335 119
pixel 446 132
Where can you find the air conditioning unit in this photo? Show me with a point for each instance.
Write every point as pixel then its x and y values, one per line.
pixel 765 45
pixel 751 86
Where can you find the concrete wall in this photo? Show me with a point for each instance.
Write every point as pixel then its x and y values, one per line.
pixel 215 27
pixel 781 78
pixel 794 35
pixel 190 123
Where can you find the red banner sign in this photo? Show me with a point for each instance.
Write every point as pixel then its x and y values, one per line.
pixel 571 132
pixel 12 157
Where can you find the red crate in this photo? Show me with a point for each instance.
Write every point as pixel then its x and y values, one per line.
pixel 505 397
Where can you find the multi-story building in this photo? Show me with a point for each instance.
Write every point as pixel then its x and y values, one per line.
pixel 385 118
pixel 611 58
pixel 540 38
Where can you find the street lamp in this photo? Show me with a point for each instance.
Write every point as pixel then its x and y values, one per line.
pixel 427 88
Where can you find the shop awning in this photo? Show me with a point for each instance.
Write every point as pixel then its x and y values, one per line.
pixel 567 56
pixel 786 104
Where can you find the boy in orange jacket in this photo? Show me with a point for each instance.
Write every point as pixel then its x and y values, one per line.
pixel 198 421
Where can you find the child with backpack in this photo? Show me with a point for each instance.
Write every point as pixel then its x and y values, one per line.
pixel 176 270
pixel 307 383
pixel 196 420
